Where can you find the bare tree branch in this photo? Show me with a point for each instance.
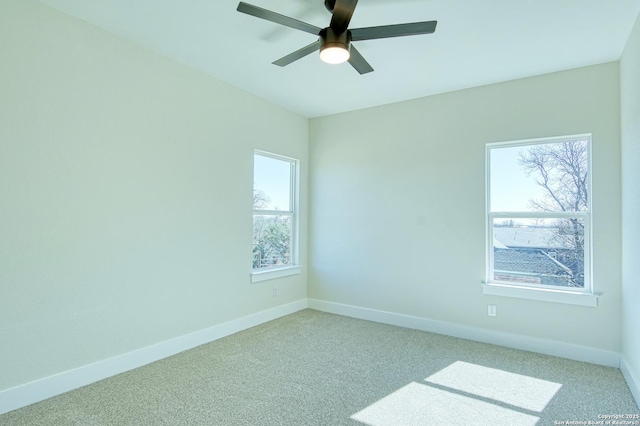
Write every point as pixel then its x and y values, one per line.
pixel 562 171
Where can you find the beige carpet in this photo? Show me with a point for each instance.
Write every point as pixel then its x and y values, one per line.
pixel 313 368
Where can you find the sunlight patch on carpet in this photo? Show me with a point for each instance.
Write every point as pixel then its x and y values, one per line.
pixel 419 404
pixel 514 389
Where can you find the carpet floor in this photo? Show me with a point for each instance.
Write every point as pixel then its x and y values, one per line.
pixel 314 368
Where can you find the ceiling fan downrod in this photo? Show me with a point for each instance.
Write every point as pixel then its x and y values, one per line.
pixel 329 4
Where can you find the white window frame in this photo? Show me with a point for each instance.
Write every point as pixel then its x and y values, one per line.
pixel 294 268
pixel 571 295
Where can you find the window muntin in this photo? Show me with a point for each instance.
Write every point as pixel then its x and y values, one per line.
pixel 539 214
pixel 274 213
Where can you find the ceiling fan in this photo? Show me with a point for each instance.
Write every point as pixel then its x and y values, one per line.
pixel 335 40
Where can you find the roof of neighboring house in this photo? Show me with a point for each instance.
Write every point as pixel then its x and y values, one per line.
pixel 535 264
pixel 498 244
pixel 529 237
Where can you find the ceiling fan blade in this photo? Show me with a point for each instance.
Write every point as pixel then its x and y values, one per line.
pixel 342 13
pixel 261 13
pixel 399 30
pixel 358 62
pixel 298 54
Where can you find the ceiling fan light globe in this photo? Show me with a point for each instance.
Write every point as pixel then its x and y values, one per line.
pixel 334 54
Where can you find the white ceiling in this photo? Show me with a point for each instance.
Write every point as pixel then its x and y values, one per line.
pixel 476 43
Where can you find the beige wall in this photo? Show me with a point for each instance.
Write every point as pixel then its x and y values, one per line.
pixel 397 203
pixel 125 204
pixel 125 195
pixel 630 100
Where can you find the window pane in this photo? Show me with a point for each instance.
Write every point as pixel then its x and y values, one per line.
pixel 271 183
pixel 550 177
pixel 548 252
pixel 271 241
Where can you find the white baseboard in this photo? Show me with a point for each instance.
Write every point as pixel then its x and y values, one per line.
pixel 516 341
pixel 29 393
pixel 632 380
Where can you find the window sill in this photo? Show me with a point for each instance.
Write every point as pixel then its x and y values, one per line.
pixel 271 274
pixel 544 295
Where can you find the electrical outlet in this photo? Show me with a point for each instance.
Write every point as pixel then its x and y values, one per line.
pixel 275 291
pixel 491 310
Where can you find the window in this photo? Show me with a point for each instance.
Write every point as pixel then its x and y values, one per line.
pixel 274 214
pixel 539 217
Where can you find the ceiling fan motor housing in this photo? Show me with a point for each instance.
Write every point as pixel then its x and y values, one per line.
pixel 329 38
